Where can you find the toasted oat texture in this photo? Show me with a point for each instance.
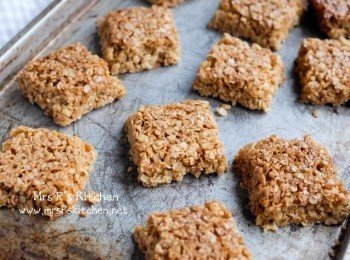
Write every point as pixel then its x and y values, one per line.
pixel 197 232
pixel 169 141
pixel 40 161
pixel 69 83
pixel 166 3
pixel 265 22
pixel 333 17
pixel 324 71
pixel 140 38
pixel 238 73
pixel 291 181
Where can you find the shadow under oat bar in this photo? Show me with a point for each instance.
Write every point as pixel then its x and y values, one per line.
pixel 139 38
pixel 333 17
pixel 291 181
pixel 167 3
pixel 69 83
pixel 169 141
pixel 198 232
pixel 239 73
pixel 323 67
pixel 40 161
pixel 264 22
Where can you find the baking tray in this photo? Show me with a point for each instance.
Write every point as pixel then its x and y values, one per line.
pixel 64 22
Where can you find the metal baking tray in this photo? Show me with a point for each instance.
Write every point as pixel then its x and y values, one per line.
pixel 66 21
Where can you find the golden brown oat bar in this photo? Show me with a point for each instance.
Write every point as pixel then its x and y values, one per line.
pixel 291 181
pixel 324 71
pixel 333 17
pixel 140 38
pixel 265 22
pixel 36 162
pixel 169 141
pixel 198 232
pixel 69 83
pixel 168 3
pixel 238 73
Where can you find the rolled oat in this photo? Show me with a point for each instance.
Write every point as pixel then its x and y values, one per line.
pixel 226 106
pixel 221 111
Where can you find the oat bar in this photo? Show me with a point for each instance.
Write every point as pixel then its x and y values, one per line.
pixel 264 22
pixel 239 73
pixel 333 17
pixel 323 67
pixel 37 162
pixel 197 232
pixel 69 83
pixel 291 181
pixel 167 3
pixel 169 141
pixel 139 38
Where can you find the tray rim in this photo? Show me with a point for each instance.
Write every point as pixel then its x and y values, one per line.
pixel 54 18
pixel 21 34
pixel 8 56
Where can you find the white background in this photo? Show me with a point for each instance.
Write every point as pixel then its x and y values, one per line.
pixel 16 14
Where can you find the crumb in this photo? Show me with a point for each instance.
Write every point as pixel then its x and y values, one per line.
pixel 323 67
pixel 314 113
pixel 83 213
pixel 166 3
pixel 150 31
pixel 129 169
pixel 226 106
pixel 237 72
pixel 333 17
pixel 34 161
pixel 197 232
pixel 264 22
pixel 221 111
pixel 169 141
pixel 93 198
pixel 69 83
pixel 291 182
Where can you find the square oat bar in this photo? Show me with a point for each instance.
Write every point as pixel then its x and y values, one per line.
pixel 197 232
pixel 69 83
pixel 169 141
pixel 238 73
pixel 323 67
pixel 37 162
pixel 291 181
pixel 139 38
pixel 264 22
pixel 333 17
pixel 167 3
